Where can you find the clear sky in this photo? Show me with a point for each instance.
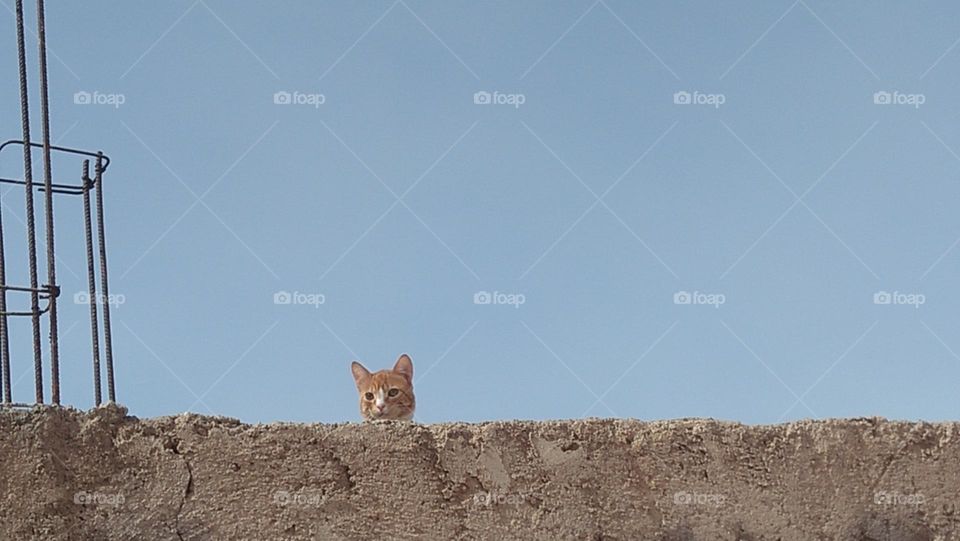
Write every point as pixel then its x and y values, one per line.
pixel 810 222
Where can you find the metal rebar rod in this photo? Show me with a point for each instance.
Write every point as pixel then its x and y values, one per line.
pixel 4 339
pixel 28 190
pixel 48 205
pixel 101 240
pixel 91 283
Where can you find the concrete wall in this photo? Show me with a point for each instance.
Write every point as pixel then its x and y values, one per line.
pixel 104 475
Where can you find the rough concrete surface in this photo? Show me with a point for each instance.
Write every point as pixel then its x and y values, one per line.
pixel 66 474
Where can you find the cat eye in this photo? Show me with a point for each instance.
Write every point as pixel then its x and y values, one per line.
pixel 368 396
pixel 393 392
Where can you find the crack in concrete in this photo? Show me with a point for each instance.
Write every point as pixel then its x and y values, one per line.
pixel 187 493
pixel 883 473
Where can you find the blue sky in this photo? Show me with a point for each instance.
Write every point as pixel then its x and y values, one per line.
pixel 679 209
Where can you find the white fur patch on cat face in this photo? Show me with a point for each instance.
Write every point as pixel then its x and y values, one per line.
pixel 381 400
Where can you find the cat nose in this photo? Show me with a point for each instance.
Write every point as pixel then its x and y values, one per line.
pixel 381 406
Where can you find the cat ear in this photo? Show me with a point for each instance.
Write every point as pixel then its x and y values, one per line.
pixel 359 372
pixel 404 367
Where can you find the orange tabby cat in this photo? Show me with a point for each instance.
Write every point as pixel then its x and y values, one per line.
pixel 387 394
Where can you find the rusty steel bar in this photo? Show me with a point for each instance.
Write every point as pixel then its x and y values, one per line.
pixel 101 240
pixel 4 338
pixel 48 204
pixel 91 283
pixel 68 150
pixel 28 189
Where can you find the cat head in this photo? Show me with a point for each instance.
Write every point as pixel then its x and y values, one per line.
pixel 387 394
